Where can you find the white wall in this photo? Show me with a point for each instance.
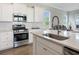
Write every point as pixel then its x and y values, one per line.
pixel 72 15
pixel 56 12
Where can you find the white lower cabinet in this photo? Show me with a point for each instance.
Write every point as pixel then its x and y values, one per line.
pixel 30 37
pixel 46 47
pixel 6 40
pixel 43 50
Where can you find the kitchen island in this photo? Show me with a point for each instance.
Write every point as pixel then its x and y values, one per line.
pixel 44 45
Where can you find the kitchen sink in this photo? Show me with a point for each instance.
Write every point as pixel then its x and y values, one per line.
pixel 57 37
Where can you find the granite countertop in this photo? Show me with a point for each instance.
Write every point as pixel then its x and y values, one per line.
pixel 71 42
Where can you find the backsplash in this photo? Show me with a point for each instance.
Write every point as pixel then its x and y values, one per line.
pixel 34 25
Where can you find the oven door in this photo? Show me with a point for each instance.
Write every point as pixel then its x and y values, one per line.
pixel 21 36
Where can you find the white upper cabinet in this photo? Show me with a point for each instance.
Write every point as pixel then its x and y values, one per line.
pixel 20 8
pixel 39 14
pixel 23 9
pixel 6 11
pixel 30 14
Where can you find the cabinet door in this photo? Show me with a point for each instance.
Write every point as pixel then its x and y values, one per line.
pixel 43 50
pixel 30 37
pixel 52 45
pixel 7 12
pixel 30 14
pixel 39 14
pixel 6 40
pixel 19 8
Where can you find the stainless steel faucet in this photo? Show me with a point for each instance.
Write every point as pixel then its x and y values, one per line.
pixel 57 23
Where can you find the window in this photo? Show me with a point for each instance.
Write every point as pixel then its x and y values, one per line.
pixel 77 21
pixel 46 17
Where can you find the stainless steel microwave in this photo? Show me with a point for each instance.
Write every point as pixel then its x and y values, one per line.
pixel 19 18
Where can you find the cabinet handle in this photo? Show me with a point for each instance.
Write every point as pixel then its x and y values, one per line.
pixel 45 49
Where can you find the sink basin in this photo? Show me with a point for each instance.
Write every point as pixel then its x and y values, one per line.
pixel 57 37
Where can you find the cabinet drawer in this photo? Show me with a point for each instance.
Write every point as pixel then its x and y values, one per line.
pixel 52 45
pixel 43 50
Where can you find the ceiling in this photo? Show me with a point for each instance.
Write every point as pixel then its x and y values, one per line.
pixel 63 6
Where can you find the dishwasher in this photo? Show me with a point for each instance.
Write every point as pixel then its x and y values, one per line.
pixel 69 51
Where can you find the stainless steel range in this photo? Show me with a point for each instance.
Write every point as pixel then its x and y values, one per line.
pixel 21 35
